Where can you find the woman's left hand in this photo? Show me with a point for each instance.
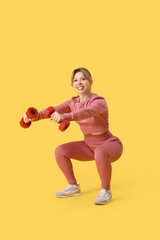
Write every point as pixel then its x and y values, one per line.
pixel 57 117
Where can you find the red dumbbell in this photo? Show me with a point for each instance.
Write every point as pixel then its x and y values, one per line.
pixel 31 113
pixel 63 124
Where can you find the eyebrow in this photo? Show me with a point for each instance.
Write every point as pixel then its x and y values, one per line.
pixel 81 77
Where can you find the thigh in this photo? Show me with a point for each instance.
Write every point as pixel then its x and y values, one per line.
pixel 111 147
pixel 78 150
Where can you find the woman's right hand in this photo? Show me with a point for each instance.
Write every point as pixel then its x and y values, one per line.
pixel 26 119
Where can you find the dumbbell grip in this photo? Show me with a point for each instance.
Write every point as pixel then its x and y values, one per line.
pixel 31 114
pixel 63 124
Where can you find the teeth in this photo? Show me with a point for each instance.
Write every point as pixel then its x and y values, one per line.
pixel 80 88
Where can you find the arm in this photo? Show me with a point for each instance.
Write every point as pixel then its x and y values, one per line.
pixel 62 108
pixel 97 107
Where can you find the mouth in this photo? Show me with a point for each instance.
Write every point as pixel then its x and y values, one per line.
pixel 80 88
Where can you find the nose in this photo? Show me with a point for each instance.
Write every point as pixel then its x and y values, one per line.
pixel 79 82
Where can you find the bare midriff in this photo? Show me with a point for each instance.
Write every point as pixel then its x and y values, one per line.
pixel 96 133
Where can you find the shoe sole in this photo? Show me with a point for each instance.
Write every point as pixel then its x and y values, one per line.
pixel 75 194
pixel 103 203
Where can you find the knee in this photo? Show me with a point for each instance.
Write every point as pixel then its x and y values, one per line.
pixel 59 151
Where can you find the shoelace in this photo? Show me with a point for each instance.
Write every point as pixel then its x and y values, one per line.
pixel 69 185
pixel 103 193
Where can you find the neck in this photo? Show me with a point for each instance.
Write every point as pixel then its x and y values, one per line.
pixel 83 97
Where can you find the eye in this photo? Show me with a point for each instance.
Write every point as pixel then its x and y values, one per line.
pixel 83 78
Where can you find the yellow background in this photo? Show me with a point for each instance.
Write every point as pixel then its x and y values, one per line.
pixel 42 42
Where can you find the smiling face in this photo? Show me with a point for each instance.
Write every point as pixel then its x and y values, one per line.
pixel 81 84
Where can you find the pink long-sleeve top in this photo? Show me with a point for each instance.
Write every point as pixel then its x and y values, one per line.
pixel 91 114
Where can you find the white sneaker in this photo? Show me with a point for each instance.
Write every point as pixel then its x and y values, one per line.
pixel 71 190
pixel 104 197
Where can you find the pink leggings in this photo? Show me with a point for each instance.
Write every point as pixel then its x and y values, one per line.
pixel 104 149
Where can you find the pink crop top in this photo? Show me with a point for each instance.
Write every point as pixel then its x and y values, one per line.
pixel 91 114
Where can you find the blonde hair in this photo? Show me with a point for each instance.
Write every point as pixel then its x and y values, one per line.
pixel 84 71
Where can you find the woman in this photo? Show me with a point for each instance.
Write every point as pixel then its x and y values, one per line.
pixel 90 111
